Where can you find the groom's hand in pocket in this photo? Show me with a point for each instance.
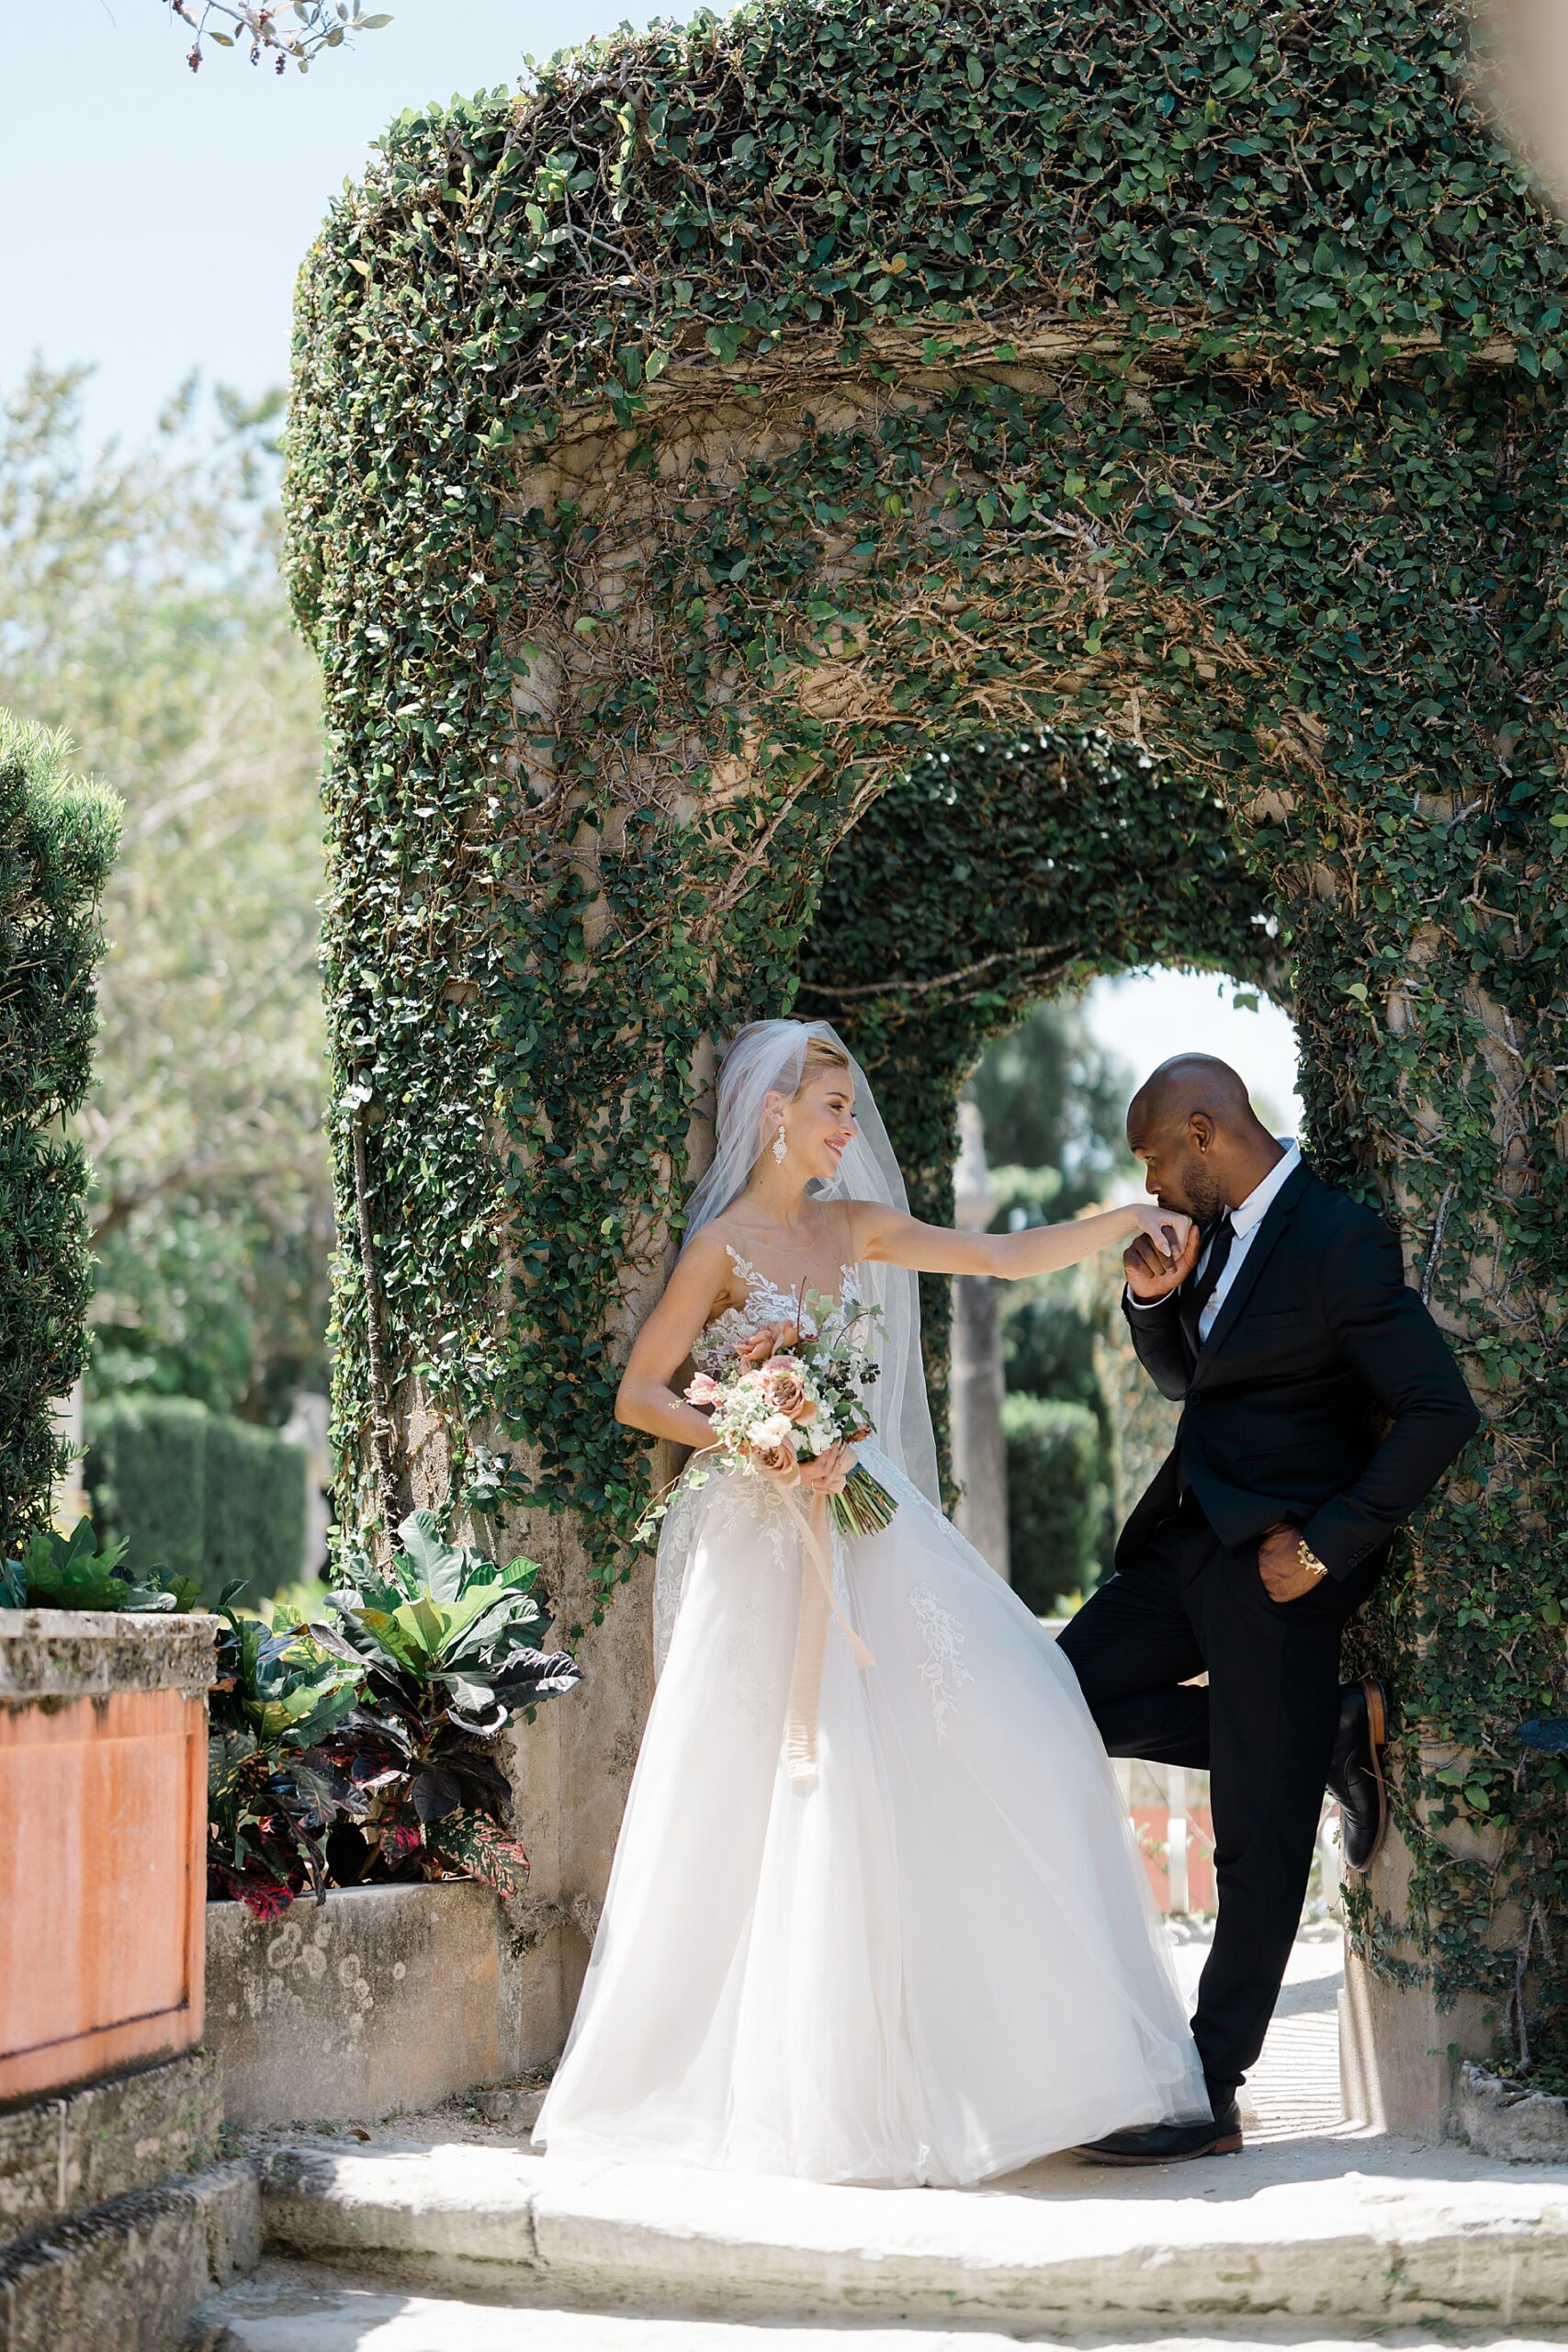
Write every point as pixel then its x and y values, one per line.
pixel 1154 1270
pixel 1279 1564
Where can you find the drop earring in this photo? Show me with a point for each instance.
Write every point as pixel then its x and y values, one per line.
pixel 781 1146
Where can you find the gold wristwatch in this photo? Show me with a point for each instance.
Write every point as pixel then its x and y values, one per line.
pixel 1307 1558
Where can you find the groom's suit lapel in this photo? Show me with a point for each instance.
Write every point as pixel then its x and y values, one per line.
pixel 1276 1218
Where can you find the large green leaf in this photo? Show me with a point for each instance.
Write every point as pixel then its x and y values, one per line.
pixel 72 1572
pixel 436 1566
pixel 281 1682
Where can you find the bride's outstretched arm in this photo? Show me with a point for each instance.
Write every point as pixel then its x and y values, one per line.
pixel 645 1399
pixel 895 1238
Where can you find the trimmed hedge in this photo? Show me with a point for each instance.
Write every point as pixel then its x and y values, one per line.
pixel 58 834
pixel 198 1492
pixel 1049 1344
pixel 1057 1502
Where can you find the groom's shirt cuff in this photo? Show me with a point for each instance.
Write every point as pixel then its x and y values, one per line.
pixel 1144 1305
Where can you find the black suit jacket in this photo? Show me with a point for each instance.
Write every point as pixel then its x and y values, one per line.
pixel 1324 1392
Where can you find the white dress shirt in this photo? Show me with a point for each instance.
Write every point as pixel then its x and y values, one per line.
pixel 1244 1222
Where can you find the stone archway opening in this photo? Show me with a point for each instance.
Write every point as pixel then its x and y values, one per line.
pixel 1056 1429
pixel 998 880
pixel 998 872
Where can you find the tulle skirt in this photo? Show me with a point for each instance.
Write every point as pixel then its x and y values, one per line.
pixel 936 1961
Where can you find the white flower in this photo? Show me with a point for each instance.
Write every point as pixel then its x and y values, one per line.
pixel 774 1429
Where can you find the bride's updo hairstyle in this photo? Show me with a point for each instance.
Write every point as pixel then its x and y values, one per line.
pixel 780 1057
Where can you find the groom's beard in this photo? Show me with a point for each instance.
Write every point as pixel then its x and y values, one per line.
pixel 1203 1197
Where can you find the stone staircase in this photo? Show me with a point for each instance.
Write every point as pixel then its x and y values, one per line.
pixel 115 2213
pixel 461 2237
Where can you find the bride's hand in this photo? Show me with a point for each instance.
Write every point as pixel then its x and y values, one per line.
pixel 1166 1228
pixel 828 1473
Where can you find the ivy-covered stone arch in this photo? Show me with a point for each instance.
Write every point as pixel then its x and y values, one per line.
pixel 682 450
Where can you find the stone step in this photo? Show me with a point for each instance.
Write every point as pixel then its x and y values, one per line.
pixel 291 2307
pixel 1343 2230
pixel 126 2275
pixel 89 2145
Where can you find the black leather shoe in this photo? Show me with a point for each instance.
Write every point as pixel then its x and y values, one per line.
pixel 1171 2144
pixel 1355 1771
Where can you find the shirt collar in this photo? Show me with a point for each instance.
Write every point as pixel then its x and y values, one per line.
pixel 1257 1203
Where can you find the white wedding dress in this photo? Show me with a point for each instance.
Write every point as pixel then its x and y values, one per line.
pixel 936 1961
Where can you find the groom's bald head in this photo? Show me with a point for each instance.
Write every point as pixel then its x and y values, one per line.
pixel 1203 1145
pixel 1189 1082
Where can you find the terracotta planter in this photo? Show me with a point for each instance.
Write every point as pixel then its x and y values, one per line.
pixel 103 1834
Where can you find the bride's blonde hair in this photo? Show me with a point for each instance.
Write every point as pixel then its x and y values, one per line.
pixel 821 1053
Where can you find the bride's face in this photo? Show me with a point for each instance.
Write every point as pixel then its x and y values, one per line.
pixel 819 1124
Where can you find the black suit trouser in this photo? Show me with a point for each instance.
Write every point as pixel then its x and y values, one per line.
pixel 1263 1730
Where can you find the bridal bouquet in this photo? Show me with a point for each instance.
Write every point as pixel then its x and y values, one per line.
pixel 787 1397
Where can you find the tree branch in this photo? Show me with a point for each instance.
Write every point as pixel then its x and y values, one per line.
pixel 943 980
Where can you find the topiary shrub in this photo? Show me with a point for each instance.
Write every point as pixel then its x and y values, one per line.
pixel 1057 1503
pixel 58 834
pixel 146 1475
pixel 204 1494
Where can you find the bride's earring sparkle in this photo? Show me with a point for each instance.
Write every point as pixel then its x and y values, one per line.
pixel 780 1145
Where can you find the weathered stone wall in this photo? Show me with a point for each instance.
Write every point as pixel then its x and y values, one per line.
pixel 383 2000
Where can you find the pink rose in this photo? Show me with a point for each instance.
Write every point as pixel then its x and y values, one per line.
pixel 784 1384
pixel 704 1390
pixel 777 1462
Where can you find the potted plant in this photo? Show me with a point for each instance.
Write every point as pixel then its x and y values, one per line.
pixel 76 1571
pixel 362 1749
pixel 353 1760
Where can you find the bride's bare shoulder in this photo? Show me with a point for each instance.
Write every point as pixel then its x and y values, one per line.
pixel 704 1259
pixel 864 1222
pixel 708 1247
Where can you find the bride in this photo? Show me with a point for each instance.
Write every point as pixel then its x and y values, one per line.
pixel 876 1912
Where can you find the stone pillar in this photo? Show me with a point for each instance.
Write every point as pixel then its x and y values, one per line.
pixel 979 1453
pixel 1400 2055
pixel 571 1768
pixel 307 1427
pixel 103 1862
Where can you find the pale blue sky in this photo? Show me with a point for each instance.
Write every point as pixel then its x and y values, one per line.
pixel 1149 1016
pixel 154 220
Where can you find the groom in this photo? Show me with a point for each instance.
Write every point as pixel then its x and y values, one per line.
pixel 1320 1406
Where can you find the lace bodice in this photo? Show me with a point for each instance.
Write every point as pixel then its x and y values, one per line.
pixel 766 1302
